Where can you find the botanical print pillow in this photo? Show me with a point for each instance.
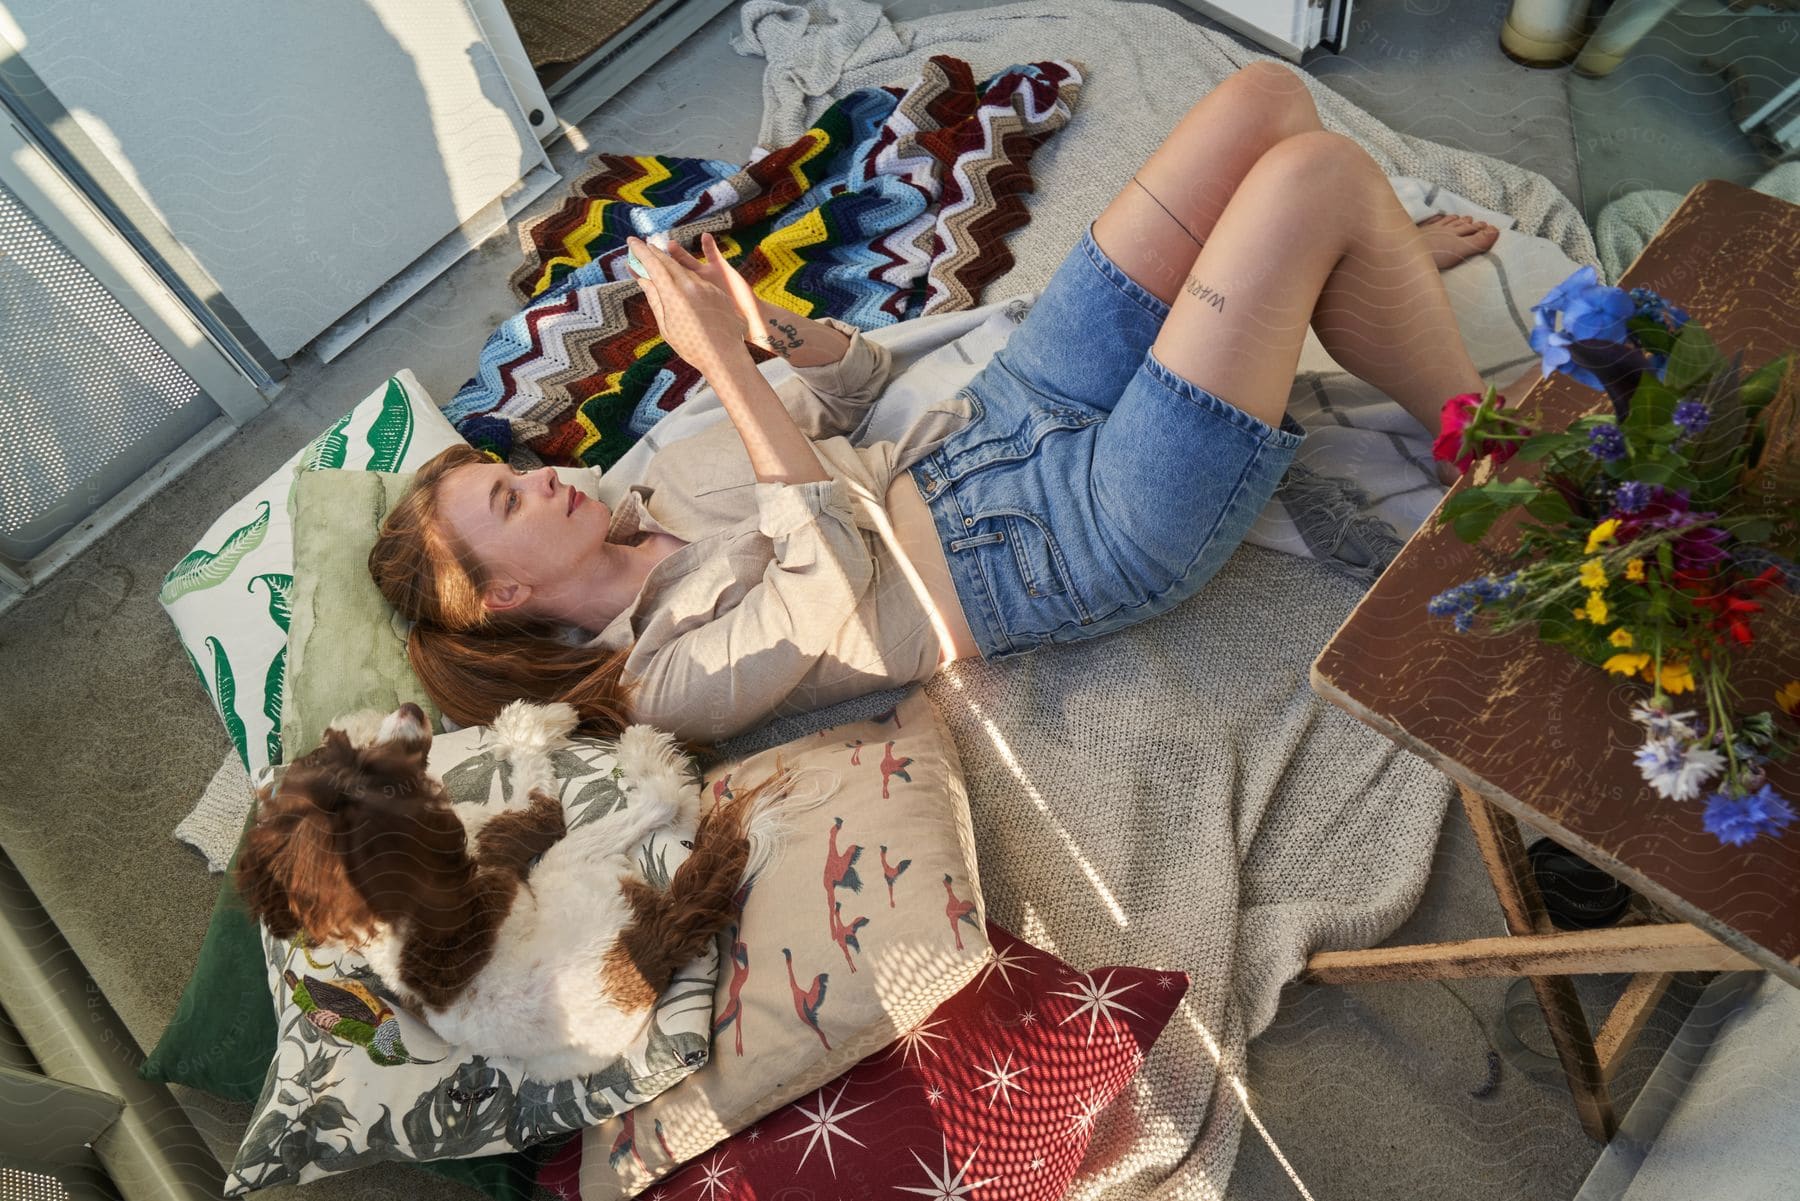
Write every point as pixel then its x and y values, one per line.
pixel 356 1079
pixel 229 597
pixel 871 918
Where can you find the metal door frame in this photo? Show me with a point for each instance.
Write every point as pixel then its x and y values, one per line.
pixel 73 217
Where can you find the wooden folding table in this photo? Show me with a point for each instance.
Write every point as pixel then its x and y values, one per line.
pixel 1529 733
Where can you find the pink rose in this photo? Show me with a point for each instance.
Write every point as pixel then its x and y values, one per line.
pixel 1457 413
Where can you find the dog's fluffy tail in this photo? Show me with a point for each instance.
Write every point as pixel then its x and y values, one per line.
pixel 736 839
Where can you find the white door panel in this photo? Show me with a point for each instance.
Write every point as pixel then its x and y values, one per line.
pixel 1286 27
pixel 305 153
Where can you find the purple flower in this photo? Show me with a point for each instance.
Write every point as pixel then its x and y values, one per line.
pixel 1631 496
pixel 1736 820
pixel 1664 510
pixel 1692 416
pixel 1606 442
pixel 1697 549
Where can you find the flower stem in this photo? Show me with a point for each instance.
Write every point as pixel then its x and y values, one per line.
pixel 1712 688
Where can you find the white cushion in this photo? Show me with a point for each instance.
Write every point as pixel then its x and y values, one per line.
pixel 229 596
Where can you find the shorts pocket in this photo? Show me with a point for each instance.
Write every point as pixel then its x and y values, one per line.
pixel 1040 564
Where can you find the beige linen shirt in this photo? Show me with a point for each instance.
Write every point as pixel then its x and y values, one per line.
pixel 787 597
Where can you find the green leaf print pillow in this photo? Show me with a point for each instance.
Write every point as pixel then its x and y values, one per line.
pixel 229 596
pixel 356 1079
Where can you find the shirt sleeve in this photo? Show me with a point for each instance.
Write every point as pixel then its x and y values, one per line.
pixel 734 672
pixel 834 398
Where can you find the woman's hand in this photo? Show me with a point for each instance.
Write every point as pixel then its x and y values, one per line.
pixel 699 319
pixel 757 315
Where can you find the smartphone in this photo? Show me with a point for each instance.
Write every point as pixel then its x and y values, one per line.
pixel 660 241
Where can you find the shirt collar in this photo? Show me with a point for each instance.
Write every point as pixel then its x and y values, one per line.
pixel 631 518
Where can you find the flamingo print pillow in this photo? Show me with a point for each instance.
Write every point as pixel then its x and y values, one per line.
pixel 871 918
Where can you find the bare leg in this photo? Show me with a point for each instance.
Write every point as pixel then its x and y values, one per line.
pixel 1314 234
pixel 1384 314
pixel 1156 224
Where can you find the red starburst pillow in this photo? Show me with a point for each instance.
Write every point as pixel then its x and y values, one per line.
pixel 997 1091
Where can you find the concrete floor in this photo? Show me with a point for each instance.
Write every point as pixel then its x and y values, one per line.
pixel 1663 118
pixel 1363 1090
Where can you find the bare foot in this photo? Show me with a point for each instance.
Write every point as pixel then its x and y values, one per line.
pixel 1453 237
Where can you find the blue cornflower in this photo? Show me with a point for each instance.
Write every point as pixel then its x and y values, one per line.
pixel 1461 600
pixel 1736 820
pixel 1631 496
pixel 1451 602
pixel 1606 441
pixel 1692 416
pixel 1488 588
pixel 1659 310
pixel 1650 304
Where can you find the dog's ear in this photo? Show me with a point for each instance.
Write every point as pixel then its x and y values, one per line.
pixel 290 872
pixel 258 878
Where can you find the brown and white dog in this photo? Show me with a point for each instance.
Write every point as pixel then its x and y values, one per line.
pixel 556 965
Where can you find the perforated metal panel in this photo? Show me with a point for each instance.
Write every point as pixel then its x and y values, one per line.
pixel 88 399
pixel 17 1185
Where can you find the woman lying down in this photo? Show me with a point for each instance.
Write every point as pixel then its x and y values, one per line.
pixel 1097 471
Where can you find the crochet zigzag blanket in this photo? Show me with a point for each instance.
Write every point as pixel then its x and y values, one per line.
pixel 895 204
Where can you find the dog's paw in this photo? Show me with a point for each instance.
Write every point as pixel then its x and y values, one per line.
pixel 529 726
pixel 658 769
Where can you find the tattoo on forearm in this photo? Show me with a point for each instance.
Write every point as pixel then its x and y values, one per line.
pixel 789 339
pixel 1200 291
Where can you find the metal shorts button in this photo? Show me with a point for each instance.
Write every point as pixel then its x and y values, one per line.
pixel 968 521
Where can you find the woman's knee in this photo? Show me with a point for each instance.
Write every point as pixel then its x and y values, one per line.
pixel 1280 96
pixel 1319 156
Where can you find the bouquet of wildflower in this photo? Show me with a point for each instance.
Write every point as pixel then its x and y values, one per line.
pixel 1656 530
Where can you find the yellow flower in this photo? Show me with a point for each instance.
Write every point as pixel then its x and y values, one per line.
pixel 1676 678
pixel 1596 608
pixel 1788 697
pixel 1593 575
pixel 1634 571
pixel 1602 533
pixel 1621 637
pixel 1580 612
pixel 1626 663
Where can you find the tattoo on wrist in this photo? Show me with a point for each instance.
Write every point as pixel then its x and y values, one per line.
pixel 1200 291
pixel 786 338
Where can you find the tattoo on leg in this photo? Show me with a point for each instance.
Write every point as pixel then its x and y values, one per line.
pixel 1165 208
pixel 781 345
pixel 1200 291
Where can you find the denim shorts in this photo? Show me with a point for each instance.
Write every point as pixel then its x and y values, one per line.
pixel 1094 488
